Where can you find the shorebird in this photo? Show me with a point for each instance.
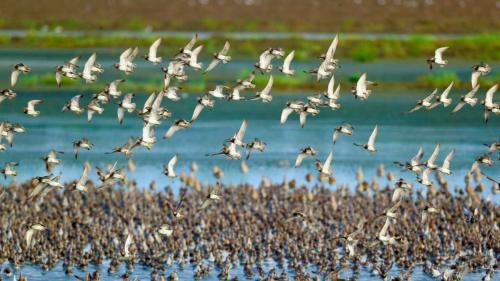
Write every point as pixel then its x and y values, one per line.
pixel 126 105
pixel 304 152
pixel 81 143
pixel 152 110
pixel 401 189
pixel 126 149
pixel 307 109
pixel 69 69
pixel 211 197
pixel 112 176
pixel 329 63
pixel 30 109
pixel 332 94
pixel 430 163
pixel 32 229
pixel 74 105
pixel 220 57
pixel 152 55
pixel 344 128
pixel 286 64
pixel 438 58
pixel 237 138
pixel 291 106
pixel 425 102
pixel 201 103
pixel 9 169
pixel 246 82
pixel 18 69
pixel 51 159
pixel 125 63
pixel 176 212
pixel 229 150
pixel 489 104
pixel 44 185
pixel 443 98
pixel 265 59
pixel 179 124
pixel 477 71
pixel 424 179
pixel 7 94
pixel 189 46
pixel 89 67
pixel 495 146
pixel 81 184
pixel 93 107
pixel 148 138
pixel 370 145
pixel 414 164
pixel 235 94
pixel 171 93
pixel 112 88
pixel 256 144
pixel 325 168
pixel 193 59
pixel 218 92
pixel 467 99
pixel 168 169
pixel 360 90
pixel 265 94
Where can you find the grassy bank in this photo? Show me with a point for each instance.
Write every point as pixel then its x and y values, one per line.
pixel 300 83
pixel 478 47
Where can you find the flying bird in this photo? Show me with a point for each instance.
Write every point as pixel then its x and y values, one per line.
pixel 370 145
pixel 438 58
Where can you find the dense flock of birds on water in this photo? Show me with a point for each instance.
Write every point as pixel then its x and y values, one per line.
pixel 44 221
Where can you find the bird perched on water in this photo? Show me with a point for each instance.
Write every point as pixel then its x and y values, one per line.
pixel 152 55
pixel 168 169
pixel 126 63
pixel 81 143
pixel 479 70
pixel 467 99
pixel 370 145
pixel 18 69
pixel 361 89
pixel 30 109
pixel 9 169
pixel 265 94
pixel 90 67
pixel 425 102
pixel 126 105
pixel 201 103
pixel 219 57
pixel 179 124
pixel 438 58
pixel 344 128
pixel 304 152
pixel 74 105
pixel 286 64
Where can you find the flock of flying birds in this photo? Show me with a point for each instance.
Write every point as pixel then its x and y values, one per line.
pixel 153 113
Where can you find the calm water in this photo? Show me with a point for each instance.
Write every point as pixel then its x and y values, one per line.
pixel 399 137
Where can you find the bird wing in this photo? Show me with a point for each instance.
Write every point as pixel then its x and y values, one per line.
pixel 434 154
pixel 371 140
pixel 438 54
pixel 447 160
pixel 212 65
pixel 153 49
pixel 58 78
pixel 13 77
pixel 488 100
pixel 241 132
pixel 474 78
pixel 191 42
pixel 384 229
pixel 445 93
pixel 284 114
pixel 194 54
pixel 85 175
pixel 171 131
pixel 335 136
pixel 458 106
pixel 268 87
pixel 124 56
pixel 333 47
pixel 87 68
pixel 133 54
pixel 75 101
pixel 299 159
pixel 128 242
pixel 328 162
pixel 288 60
pixel 197 111
pixel 361 84
pixel 225 49
pixel 303 118
pixel 416 159
pixel 472 92
pixel 32 104
pixel 120 112
pixel 330 88
pixel 29 236
pixel 172 163
pixel 149 102
pixel 431 96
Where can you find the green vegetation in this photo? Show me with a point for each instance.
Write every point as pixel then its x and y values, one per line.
pixel 479 47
